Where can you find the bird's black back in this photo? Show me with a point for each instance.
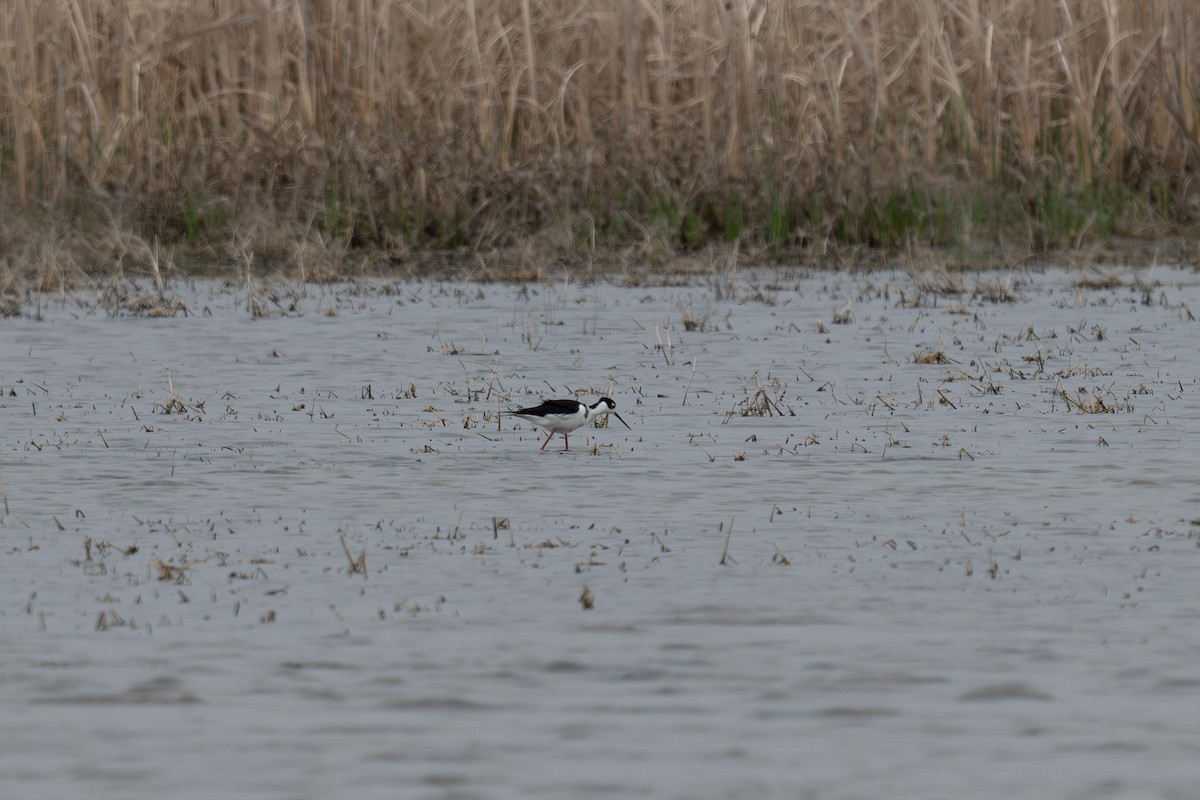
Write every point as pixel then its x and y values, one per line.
pixel 550 407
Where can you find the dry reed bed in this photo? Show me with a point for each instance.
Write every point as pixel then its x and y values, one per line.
pixel 291 132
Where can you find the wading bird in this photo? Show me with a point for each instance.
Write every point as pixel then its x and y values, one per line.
pixel 564 416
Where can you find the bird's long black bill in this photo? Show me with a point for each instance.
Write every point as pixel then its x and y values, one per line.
pixel 623 422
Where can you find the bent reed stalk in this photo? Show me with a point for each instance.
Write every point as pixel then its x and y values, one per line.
pixel 246 126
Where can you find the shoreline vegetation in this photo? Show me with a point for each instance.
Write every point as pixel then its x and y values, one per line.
pixel 511 137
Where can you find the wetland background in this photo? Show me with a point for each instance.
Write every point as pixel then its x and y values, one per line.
pixel 272 272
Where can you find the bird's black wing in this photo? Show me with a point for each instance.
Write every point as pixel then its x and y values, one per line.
pixel 550 407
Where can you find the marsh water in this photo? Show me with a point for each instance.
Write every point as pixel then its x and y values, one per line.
pixel 868 537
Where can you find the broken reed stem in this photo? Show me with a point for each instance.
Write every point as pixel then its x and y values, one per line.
pixel 667 351
pixel 691 375
pixel 356 564
pixel 728 536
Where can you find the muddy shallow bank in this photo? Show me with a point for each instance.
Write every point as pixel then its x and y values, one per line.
pixel 304 554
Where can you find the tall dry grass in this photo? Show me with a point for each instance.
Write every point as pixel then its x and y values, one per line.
pixel 245 126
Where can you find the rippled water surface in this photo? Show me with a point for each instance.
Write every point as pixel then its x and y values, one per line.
pixel 863 540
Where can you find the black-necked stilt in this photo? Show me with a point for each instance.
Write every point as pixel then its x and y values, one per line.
pixel 564 416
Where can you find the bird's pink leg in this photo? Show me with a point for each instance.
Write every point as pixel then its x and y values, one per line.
pixel 548 438
pixel 566 439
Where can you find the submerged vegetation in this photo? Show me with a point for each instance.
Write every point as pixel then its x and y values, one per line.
pixel 299 135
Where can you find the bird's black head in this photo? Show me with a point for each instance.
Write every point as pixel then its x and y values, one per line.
pixel 606 404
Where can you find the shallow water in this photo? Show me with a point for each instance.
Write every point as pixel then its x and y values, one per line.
pixel 942 579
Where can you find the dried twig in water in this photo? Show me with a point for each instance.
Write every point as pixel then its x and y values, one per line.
pixel 725 550
pixel 934 356
pixel 1092 402
pixel 668 352
pixel 167 572
pixel 687 388
pixel 760 404
pixel 497 524
pixel 356 564
pixel 844 315
pixel 692 320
